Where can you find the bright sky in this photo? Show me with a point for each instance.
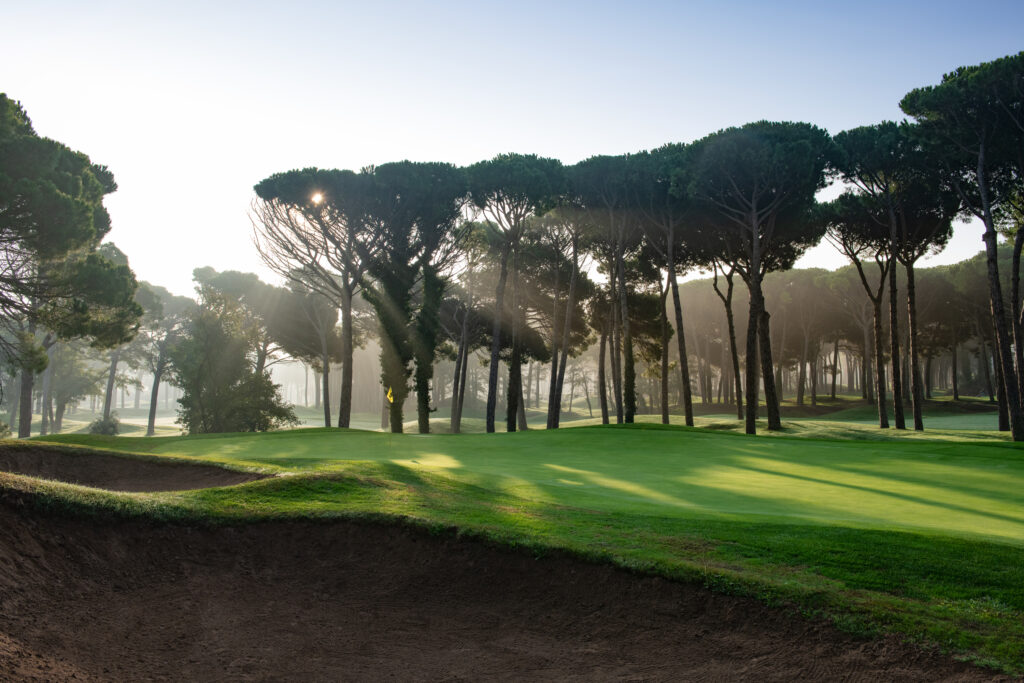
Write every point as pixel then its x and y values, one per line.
pixel 191 103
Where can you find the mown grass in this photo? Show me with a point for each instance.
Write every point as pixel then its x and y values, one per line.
pixel 922 536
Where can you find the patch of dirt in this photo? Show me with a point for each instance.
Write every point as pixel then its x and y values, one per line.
pixel 309 601
pixel 116 473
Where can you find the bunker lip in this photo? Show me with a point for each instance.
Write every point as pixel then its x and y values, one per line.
pixel 357 600
pixel 117 473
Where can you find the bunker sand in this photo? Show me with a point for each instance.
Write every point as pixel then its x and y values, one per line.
pixel 117 473
pixel 346 600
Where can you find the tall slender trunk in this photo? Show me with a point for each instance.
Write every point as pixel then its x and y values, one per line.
pixel 956 371
pixel 108 397
pixel 814 380
pixel 734 352
pixel 1002 335
pixel 988 372
pixel 917 390
pixel 567 320
pixel 586 392
pixel 158 373
pixel 492 375
pixel 894 345
pixel 553 387
pixel 628 361
pixel 345 399
pixel 1004 408
pixel 751 366
pixel 684 364
pixel 602 384
pixel 25 418
pixel 664 356
pixel 883 416
pixel 325 363
pixel 802 375
pixel 521 409
pixel 462 389
pixel 616 361
pixel 455 419
pixel 515 366
pixel 771 398
pixel 928 377
pixel 835 367
pixel 513 389
pixel 14 398
pixel 1015 304
pixel 44 426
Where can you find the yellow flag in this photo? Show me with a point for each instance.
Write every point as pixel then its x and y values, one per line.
pixel 391 396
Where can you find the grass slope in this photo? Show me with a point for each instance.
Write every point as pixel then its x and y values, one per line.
pixel 924 537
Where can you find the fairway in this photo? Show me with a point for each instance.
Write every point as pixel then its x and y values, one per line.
pixel 965 489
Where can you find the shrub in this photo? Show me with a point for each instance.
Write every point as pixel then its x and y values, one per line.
pixel 109 427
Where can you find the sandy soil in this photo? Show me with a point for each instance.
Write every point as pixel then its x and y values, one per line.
pixel 305 601
pixel 117 473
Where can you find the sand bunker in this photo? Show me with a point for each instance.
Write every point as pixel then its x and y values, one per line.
pixel 116 473
pixel 310 601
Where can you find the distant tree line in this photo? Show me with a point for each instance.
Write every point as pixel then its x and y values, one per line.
pixel 521 270
pixel 535 261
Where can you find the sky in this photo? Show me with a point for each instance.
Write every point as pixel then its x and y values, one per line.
pixel 192 103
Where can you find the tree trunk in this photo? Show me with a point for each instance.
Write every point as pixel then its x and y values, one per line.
pixel 1002 335
pixel 616 360
pixel 513 389
pixel 586 392
pixel 455 419
pixel 835 367
pixel 158 373
pixel 44 425
pixel 462 389
pixel 751 365
pixel 802 375
pixel 928 377
pixel 628 362
pixel 814 380
pixel 883 415
pixel 572 393
pixel 325 363
pixel 956 372
pixel 917 390
pixel 1015 304
pixel 602 385
pixel 664 357
pixel 553 386
pixel 515 368
pixel 988 372
pixel 894 346
pixel 58 420
pixel 492 376
pixel 771 398
pixel 25 418
pixel 570 307
pixel 108 397
pixel 1004 409
pixel 684 362
pixel 14 398
pixel 345 399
